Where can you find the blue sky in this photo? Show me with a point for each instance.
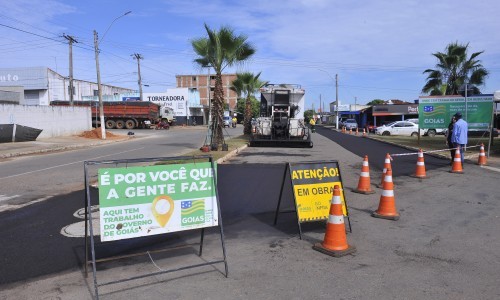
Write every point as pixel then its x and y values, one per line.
pixel 379 49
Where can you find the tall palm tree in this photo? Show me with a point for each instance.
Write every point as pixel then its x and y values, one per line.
pixel 247 84
pixel 220 49
pixel 453 70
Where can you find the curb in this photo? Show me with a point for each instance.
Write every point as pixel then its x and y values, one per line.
pixel 61 148
pixel 231 154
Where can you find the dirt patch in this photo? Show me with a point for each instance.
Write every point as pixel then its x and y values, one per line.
pixel 96 134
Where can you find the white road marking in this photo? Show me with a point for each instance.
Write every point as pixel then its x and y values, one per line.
pixel 491 168
pixel 68 164
pixel 17 206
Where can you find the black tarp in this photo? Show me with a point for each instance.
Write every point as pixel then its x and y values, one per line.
pixel 23 133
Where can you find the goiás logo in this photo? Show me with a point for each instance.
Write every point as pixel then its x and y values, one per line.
pixel 434 121
pixel 192 212
pixel 433 114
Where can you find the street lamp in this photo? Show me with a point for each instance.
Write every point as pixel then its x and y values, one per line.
pixel 336 97
pixel 99 88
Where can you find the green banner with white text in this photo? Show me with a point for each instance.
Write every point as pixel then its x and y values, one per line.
pixel 149 200
pixel 436 111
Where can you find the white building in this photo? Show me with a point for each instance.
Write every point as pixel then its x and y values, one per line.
pixel 42 85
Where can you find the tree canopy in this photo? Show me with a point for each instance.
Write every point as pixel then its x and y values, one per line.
pixel 376 102
pixel 453 70
pixel 247 84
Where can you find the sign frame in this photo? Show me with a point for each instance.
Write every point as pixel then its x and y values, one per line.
pixel 89 230
pixel 288 172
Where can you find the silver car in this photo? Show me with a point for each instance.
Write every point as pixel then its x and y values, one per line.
pixel 350 124
pixel 227 121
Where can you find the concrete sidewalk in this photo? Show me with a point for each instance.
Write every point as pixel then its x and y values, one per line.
pixel 46 145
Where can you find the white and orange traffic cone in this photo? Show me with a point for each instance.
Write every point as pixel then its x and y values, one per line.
pixel 364 132
pixel 482 156
pixel 387 165
pixel 350 130
pixel 456 166
pixel 356 131
pixel 364 186
pixel 387 205
pixel 420 170
pixel 335 241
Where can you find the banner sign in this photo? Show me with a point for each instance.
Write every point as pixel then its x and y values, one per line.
pixel 144 201
pixel 436 111
pixel 313 185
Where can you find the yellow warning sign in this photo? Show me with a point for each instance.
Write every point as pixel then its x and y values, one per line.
pixel 313 185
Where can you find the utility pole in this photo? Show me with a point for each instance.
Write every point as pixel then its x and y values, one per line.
pixel 337 101
pixel 71 40
pixel 99 88
pixel 139 57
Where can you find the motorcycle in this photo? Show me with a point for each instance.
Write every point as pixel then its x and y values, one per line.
pixel 162 125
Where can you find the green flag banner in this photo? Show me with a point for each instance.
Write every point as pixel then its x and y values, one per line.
pixel 436 111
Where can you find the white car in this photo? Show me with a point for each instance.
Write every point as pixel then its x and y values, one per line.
pixel 429 131
pixel 398 128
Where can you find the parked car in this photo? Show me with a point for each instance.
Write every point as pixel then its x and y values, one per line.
pixel 370 127
pixel 429 131
pixel 350 124
pixel 398 128
pixel 227 121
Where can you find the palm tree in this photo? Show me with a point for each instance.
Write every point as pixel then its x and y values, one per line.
pixel 219 50
pixel 454 70
pixel 247 84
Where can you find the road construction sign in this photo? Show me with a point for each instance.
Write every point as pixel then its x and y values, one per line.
pixel 149 200
pixel 313 185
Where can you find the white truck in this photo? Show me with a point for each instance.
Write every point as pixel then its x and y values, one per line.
pixel 281 121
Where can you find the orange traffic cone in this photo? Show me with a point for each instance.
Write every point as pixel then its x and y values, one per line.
pixel 482 156
pixel 387 205
pixel 456 167
pixel 364 132
pixel 343 129
pixel 335 241
pixel 364 179
pixel 356 131
pixel 387 165
pixel 420 170
pixel 350 130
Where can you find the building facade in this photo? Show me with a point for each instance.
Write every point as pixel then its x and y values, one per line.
pixel 205 84
pixel 42 85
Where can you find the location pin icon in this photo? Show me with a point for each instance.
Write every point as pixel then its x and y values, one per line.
pixel 163 207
